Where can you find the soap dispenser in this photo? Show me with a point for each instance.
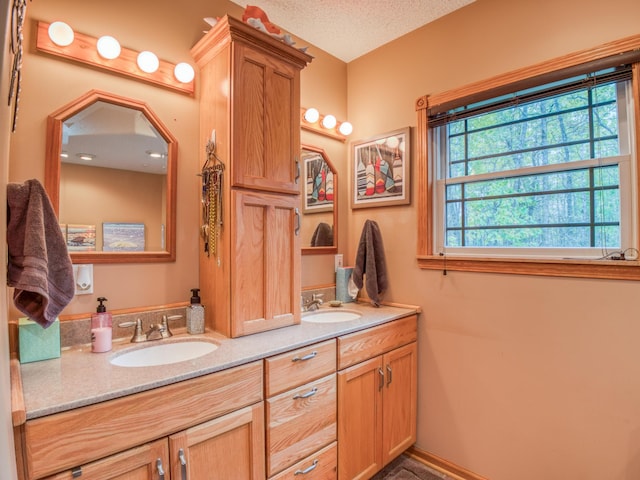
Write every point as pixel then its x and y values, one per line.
pixel 195 313
pixel 101 328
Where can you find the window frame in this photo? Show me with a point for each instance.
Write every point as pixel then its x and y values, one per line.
pixel 429 259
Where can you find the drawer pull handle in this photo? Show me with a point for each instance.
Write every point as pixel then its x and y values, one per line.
pixel 381 373
pixel 310 393
pixel 308 469
pixel 296 230
pixel 183 464
pixel 305 357
pixel 389 375
pixel 297 169
pixel 160 468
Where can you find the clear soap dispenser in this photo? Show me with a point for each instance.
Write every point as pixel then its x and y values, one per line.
pixel 101 328
pixel 195 313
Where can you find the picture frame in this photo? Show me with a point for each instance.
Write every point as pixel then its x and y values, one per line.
pixel 122 237
pixel 380 170
pixel 319 183
pixel 80 238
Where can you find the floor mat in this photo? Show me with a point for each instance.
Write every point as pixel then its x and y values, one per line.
pixel 405 468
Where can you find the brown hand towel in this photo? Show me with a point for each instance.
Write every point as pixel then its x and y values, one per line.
pixel 370 262
pixel 39 266
pixel 322 236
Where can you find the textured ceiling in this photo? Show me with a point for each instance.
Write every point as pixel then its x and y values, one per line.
pixel 348 29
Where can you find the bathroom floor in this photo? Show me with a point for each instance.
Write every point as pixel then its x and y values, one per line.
pixel 405 468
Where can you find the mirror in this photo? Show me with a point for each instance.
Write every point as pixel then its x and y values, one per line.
pixel 319 203
pixel 110 172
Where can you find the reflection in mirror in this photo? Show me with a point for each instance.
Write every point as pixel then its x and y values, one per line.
pixel 110 174
pixel 319 202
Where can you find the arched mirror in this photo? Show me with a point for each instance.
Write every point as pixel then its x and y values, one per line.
pixel 111 177
pixel 319 203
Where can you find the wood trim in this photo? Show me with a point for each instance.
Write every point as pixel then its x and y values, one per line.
pixel 18 410
pixel 427 259
pixel 438 463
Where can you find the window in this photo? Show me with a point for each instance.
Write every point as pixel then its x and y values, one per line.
pixel 538 174
pixel 534 172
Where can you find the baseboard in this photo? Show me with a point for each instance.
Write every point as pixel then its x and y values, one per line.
pixel 437 463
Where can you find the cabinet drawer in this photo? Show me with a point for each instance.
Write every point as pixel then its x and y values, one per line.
pixel 360 346
pixel 299 422
pixel 322 465
pixel 296 367
pixel 73 438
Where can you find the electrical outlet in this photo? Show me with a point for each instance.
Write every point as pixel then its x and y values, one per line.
pixel 338 261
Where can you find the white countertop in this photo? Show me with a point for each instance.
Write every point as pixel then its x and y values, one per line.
pixel 79 377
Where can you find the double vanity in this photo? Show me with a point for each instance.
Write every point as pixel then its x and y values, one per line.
pixel 322 399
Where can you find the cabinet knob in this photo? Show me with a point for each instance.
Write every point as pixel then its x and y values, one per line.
pixel 183 464
pixel 160 469
pixel 297 160
pixel 381 373
pixel 389 375
pixel 297 229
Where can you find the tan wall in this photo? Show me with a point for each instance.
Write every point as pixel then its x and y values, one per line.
pixel 170 29
pixel 519 377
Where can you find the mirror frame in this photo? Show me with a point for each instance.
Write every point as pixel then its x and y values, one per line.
pixel 333 249
pixel 52 175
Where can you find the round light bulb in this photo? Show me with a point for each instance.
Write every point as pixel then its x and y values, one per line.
pixel 311 115
pixel 184 72
pixel 108 47
pixel 329 122
pixel 345 128
pixel 61 34
pixel 148 61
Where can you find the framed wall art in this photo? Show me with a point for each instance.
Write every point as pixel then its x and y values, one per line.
pixel 123 237
pixel 380 169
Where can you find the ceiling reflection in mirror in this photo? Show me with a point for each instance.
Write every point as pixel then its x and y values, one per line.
pixel 318 202
pixel 115 183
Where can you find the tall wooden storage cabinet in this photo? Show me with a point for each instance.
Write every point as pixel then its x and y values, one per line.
pixel 250 97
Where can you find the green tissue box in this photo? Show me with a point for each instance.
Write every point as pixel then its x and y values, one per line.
pixel 37 343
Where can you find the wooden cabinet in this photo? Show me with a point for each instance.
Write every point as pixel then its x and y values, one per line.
pixel 301 411
pixel 377 397
pixel 121 433
pixel 141 463
pixel 227 447
pixel 250 97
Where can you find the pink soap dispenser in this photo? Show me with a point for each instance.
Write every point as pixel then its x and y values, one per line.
pixel 101 328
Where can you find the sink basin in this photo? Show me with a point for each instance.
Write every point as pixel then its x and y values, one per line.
pixel 331 316
pixel 164 353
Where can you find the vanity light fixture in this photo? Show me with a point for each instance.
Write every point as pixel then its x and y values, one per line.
pixel 60 40
pixel 184 72
pixel 327 125
pixel 61 34
pixel 108 47
pixel 148 61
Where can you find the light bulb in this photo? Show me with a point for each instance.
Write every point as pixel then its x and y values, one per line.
pixel 329 122
pixel 61 34
pixel 148 61
pixel 311 115
pixel 345 128
pixel 108 47
pixel 184 72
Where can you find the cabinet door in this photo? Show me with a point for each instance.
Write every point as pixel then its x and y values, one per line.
pixel 360 419
pixel 399 401
pixel 228 447
pixel 147 462
pixel 266 121
pixel 265 281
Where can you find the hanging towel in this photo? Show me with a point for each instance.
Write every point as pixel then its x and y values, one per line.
pixel 370 262
pixel 39 266
pixel 322 236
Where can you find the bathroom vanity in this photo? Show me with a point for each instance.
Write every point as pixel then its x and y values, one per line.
pixel 269 405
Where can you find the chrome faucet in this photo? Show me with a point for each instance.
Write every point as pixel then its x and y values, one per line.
pixel 156 330
pixel 313 303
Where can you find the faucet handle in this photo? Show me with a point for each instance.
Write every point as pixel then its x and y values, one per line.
pixel 138 336
pixel 166 332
